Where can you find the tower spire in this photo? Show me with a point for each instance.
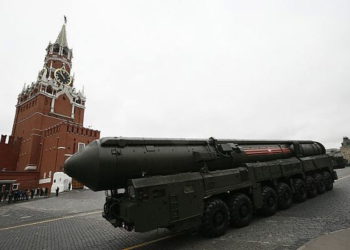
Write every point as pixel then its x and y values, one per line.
pixel 62 36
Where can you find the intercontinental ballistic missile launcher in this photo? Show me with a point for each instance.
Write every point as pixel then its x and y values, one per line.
pixel 207 185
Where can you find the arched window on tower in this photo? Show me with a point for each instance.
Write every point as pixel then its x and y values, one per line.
pixel 49 89
pixel 65 51
pixel 56 48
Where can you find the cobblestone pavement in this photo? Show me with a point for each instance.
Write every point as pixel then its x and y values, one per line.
pixel 73 221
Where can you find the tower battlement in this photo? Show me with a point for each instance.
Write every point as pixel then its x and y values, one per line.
pixel 10 140
pixel 66 127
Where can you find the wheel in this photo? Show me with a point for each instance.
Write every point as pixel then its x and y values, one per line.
pixel 300 190
pixel 328 180
pixel 284 195
pixel 241 210
pixel 321 188
pixel 311 187
pixel 215 219
pixel 269 201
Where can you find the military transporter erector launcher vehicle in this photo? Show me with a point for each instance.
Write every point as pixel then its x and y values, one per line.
pixel 207 185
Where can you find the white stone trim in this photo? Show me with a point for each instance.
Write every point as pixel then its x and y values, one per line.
pixel 65 90
pixel 46 180
pixel 81 144
pixel 68 90
pixel 36 134
pixel 65 116
pixel 39 113
pixel 52 104
pixel 30 167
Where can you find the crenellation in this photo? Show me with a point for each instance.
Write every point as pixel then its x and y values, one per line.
pixel 3 139
pixel 10 140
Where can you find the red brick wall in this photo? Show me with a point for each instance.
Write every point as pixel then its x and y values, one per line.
pixel 59 143
pixel 27 180
pixel 79 115
pixel 63 106
pixel 32 118
pixel 9 152
pixel 32 135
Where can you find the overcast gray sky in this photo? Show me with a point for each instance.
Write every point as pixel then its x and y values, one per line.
pixel 228 69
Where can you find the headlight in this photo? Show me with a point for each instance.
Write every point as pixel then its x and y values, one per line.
pixel 131 191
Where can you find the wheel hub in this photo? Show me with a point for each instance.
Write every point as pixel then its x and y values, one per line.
pixel 271 201
pixel 218 218
pixel 286 195
pixel 243 210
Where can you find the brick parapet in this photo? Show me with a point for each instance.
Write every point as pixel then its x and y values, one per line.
pixel 71 128
pixel 10 140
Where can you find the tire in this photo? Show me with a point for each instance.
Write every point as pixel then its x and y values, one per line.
pixel 270 203
pixel 321 188
pixel 284 196
pixel 300 190
pixel 241 210
pixel 328 180
pixel 215 218
pixel 311 187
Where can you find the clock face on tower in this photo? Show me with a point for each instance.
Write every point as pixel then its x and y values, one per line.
pixel 62 76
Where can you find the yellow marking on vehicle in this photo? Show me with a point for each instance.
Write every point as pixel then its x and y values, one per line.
pixel 50 220
pixel 151 242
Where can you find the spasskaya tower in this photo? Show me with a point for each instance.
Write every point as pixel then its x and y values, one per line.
pixel 49 119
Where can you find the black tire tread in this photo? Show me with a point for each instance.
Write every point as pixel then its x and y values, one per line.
pixel 267 210
pixel 234 202
pixel 328 180
pixel 300 194
pixel 207 228
pixel 311 187
pixel 281 189
pixel 321 188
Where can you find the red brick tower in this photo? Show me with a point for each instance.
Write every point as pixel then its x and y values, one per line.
pixel 49 116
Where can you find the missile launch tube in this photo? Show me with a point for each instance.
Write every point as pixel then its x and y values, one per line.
pixel 109 162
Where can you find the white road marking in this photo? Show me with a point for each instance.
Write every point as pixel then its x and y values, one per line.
pixel 344 177
pixel 25 217
pixel 151 242
pixel 50 220
pixel 257 241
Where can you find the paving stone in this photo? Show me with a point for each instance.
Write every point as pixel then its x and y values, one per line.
pixel 288 229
